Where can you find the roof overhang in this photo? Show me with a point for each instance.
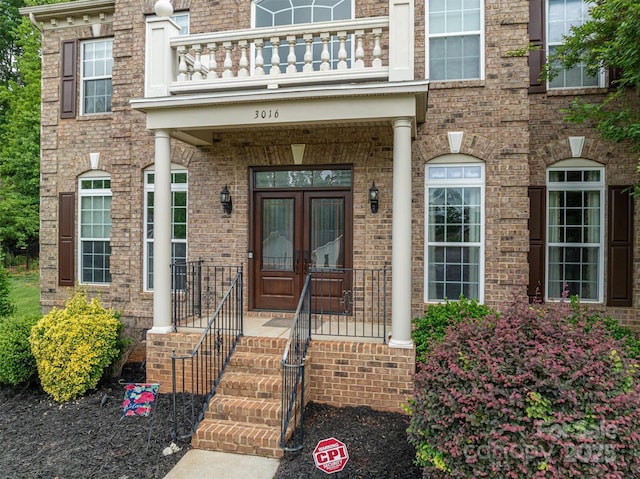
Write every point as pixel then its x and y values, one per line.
pixel 195 118
pixel 70 14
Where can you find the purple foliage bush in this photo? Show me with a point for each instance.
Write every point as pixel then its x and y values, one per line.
pixel 538 392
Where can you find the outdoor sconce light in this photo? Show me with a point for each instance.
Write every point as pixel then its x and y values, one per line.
pixel 373 197
pixel 225 199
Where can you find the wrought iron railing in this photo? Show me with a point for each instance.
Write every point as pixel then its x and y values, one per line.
pixel 196 375
pixel 293 359
pixel 349 302
pixel 198 288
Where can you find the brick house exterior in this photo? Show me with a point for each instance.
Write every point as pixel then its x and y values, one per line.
pixel 499 123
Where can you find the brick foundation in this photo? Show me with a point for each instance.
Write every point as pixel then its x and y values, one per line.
pixel 339 373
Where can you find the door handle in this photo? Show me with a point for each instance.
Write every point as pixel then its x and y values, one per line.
pixel 297 260
pixel 305 262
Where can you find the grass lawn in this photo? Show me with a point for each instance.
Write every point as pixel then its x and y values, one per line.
pixel 25 292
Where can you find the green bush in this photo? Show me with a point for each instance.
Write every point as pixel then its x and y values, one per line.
pixel 7 308
pixel 538 392
pixel 73 346
pixel 430 328
pixel 17 364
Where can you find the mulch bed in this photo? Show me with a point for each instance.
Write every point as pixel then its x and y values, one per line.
pixel 87 438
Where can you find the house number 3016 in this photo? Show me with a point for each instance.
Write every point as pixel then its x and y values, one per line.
pixel 266 114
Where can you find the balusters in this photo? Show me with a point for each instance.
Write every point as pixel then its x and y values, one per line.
pixel 182 64
pixel 227 64
pixel 291 58
pixel 213 64
pixel 342 51
pixel 377 49
pixel 243 65
pixel 197 63
pixel 325 56
pixel 359 63
pixel 308 53
pixel 259 67
pixel 275 56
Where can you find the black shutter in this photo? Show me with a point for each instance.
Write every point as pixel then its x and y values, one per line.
pixel 537 55
pixel 66 237
pixel 536 257
pixel 68 83
pixel 620 247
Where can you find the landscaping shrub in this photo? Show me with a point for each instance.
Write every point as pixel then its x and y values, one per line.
pixel 536 392
pixel 17 364
pixel 74 345
pixel 430 328
pixel 7 308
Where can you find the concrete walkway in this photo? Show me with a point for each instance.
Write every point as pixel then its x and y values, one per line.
pixel 199 464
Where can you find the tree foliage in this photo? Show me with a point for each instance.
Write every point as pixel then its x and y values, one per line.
pixel 19 127
pixel 610 40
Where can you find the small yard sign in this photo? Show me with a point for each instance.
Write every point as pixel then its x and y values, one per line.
pixel 330 455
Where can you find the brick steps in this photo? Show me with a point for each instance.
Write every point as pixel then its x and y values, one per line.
pixel 244 415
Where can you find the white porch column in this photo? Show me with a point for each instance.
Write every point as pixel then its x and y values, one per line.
pixel 401 243
pixel 162 235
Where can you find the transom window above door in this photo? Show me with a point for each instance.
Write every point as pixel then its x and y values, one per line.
pixel 273 13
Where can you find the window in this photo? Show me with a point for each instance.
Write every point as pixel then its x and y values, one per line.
pixel 95 228
pixel 455 222
pixel 575 212
pixel 182 19
pixel 456 40
pixel 272 13
pixel 562 15
pixel 97 62
pixel 179 189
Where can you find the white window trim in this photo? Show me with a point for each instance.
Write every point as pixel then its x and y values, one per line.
pixel 455 160
pixel 584 165
pixel 183 13
pixel 150 188
pixel 548 45
pixel 428 36
pixel 93 175
pixel 83 78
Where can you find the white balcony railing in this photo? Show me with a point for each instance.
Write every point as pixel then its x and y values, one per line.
pixel 349 51
pixel 345 51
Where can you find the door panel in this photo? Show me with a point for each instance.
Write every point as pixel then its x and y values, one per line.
pixel 295 231
pixel 277 282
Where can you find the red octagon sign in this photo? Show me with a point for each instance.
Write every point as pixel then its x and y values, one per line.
pixel 330 455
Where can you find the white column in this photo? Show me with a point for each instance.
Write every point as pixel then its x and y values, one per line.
pixel 162 235
pixel 401 243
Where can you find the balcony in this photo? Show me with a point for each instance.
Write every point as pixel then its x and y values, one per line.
pixel 374 49
pixel 358 71
pixel 343 52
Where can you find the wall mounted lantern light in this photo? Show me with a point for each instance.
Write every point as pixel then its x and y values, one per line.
pixel 373 197
pixel 225 199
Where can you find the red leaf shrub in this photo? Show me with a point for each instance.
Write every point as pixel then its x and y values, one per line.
pixel 537 392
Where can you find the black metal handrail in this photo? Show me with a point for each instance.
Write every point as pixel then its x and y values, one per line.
pixel 197 375
pixel 293 359
pixel 350 302
pixel 198 287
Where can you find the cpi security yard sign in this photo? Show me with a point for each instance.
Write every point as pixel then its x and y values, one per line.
pixel 330 455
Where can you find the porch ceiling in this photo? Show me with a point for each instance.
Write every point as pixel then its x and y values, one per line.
pixel 194 119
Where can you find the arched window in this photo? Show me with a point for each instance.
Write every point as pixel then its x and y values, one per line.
pixel 273 13
pixel 454 221
pixel 95 227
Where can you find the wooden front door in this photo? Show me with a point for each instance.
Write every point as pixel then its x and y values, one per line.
pixel 295 230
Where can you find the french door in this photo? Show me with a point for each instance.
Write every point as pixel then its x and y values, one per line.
pixel 295 230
